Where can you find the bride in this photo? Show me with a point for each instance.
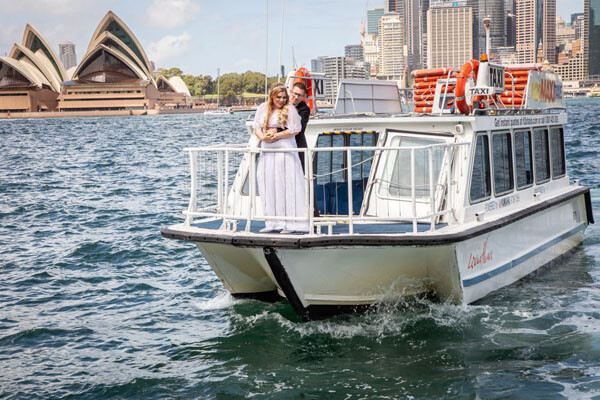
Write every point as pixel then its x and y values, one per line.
pixel 279 175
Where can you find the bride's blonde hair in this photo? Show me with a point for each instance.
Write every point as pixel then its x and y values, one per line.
pixel 283 113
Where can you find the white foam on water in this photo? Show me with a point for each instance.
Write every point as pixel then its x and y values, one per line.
pixel 572 390
pixel 221 301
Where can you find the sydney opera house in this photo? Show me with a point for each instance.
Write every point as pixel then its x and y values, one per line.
pixel 114 74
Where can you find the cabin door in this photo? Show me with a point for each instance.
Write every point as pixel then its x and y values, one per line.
pixel 332 171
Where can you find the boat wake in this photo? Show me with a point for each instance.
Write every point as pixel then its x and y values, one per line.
pixel 222 301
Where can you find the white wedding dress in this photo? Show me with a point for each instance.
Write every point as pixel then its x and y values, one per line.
pixel 280 178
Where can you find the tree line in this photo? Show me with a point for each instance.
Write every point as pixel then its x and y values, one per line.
pixel 233 85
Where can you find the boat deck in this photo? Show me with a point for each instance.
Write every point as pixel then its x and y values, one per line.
pixel 338 229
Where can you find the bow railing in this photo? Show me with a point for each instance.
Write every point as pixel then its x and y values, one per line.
pixel 361 185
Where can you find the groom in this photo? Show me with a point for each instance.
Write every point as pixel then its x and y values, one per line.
pixel 297 97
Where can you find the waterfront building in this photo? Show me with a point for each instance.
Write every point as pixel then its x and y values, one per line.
pixel 392 48
pixel 371 53
pixel 449 35
pixel 114 73
pixel 536 30
pixel 354 51
pixel 373 20
pixel 571 65
pixel 66 52
pixel 173 92
pixel 591 40
pixel 30 75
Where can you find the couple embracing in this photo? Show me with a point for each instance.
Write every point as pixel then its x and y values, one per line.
pixel 279 123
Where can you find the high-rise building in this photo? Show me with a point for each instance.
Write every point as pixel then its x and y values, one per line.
pixel 413 33
pixel 549 31
pixel 392 6
pixel 511 29
pixel 495 9
pixel 373 20
pixel 66 52
pixel 536 30
pixel 449 35
pixel 354 51
pixel 371 52
pixel 338 68
pixel 316 65
pixel 424 6
pixel 591 39
pixel 392 43
pixel 577 24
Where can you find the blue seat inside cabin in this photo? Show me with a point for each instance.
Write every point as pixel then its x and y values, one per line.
pixel 332 197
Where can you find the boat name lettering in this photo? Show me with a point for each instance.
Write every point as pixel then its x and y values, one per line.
pixel 500 122
pixel 480 259
pixel 501 203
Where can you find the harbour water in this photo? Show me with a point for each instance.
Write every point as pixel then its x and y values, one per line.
pixel 95 304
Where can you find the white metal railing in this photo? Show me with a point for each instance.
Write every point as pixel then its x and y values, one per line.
pixel 219 174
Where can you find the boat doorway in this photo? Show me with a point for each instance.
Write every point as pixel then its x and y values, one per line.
pixel 332 170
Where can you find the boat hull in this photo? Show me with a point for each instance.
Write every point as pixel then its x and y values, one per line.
pixel 321 276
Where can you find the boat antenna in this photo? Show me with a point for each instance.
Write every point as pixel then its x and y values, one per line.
pixel 281 39
pixel 267 56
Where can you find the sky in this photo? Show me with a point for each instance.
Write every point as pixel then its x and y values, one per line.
pixel 200 36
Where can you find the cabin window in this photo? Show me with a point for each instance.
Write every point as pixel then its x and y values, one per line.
pixel 481 185
pixel 557 147
pixel 503 166
pixel 397 177
pixel 523 159
pixel 542 155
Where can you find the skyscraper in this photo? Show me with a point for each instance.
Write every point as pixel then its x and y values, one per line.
pixel 66 52
pixel 536 31
pixel 392 6
pixel 391 47
pixel 413 35
pixel 591 35
pixel 373 20
pixel 449 34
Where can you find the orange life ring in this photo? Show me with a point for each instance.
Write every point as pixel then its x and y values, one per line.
pixel 470 67
pixel 301 76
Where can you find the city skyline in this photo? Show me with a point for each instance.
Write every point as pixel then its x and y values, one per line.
pixel 201 36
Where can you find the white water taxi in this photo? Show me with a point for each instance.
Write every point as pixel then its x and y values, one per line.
pixel 464 195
